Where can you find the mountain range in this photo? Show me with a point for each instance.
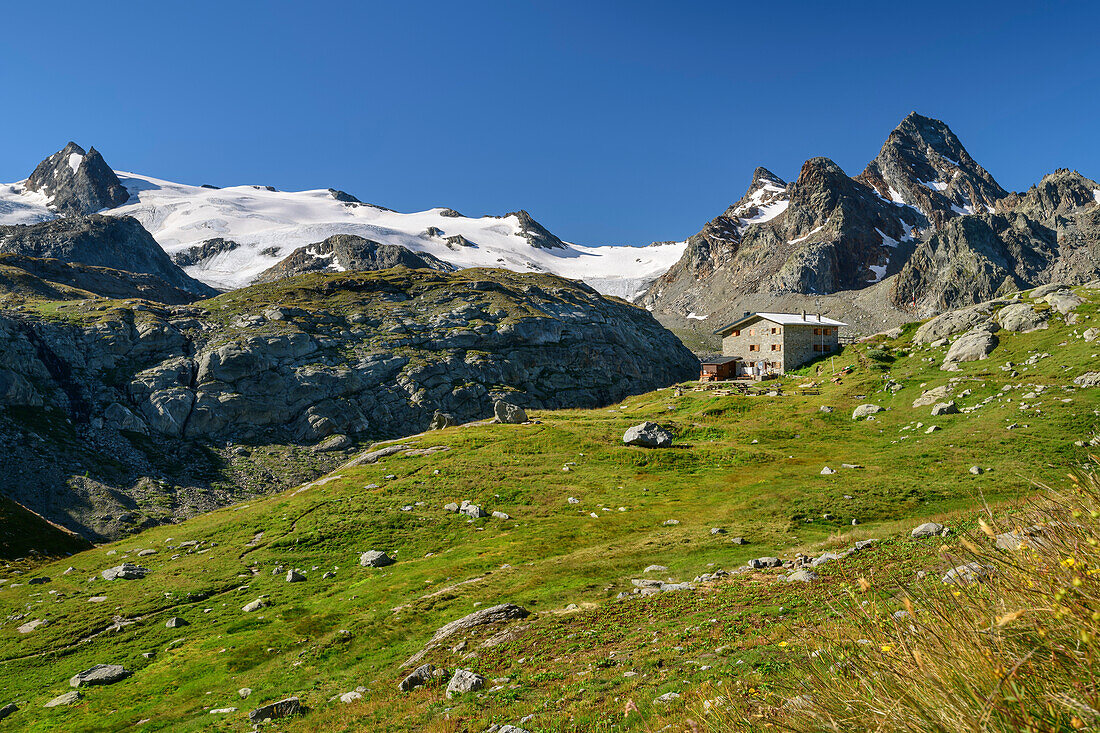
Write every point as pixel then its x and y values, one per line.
pixel 229 237
pixel 924 228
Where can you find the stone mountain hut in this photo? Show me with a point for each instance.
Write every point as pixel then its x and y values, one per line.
pixel 765 344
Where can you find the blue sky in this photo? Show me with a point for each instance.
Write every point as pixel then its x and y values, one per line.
pixel 611 122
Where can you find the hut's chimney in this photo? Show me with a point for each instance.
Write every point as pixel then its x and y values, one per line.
pixel 803 315
pixel 818 317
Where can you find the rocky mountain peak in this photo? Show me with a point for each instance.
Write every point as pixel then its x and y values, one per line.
pixel 77 181
pixel 536 234
pixel 924 165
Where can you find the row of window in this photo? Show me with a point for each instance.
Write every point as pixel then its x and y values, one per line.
pixel 778 330
pixel 823 347
pixel 756 347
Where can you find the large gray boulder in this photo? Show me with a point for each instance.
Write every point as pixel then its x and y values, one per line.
pixel 1021 317
pixel 69 698
pixel 928 529
pixel 945 408
pixel 932 396
pixel 866 411
pixel 969 573
pixel 375 559
pixel 1087 380
pixel 509 414
pixel 953 322
pixel 973 346
pixel 1063 301
pixel 276 710
pixel 100 674
pixel 648 435
pixel 422 675
pixel 464 681
pixel 125 571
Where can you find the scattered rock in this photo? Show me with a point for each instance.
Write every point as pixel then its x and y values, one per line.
pixel 932 396
pixel 32 625
pixel 656 569
pixel 827 471
pixel 422 675
pixel 670 522
pixel 67 699
pixel 375 559
pixel 1088 379
pixel 976 470
pixel 274 711
pixel 825 408
pixel 472 510
pixel 8 710
pixel 452 507
pixel 1020 317
pixel 929 529
pixel 667 698
pixel 222 711
pixel 945 408
pixel 765 562
pixel 648 435
pixel 801 576
pixel 125 571
pixel 969 573
pixel 175 623
pixel 717 530
pixel 866 410
pixel 295 576
pixel 100 674
pixel 500 515
pixel 352 696
pixel 255 605
pixel 244 692
pixel 738 540
pixel 464 681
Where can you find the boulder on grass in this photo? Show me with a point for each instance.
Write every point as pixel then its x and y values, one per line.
pixel 464 681
pixel 274 711
pixel 100 674
pixel 648 435
pixel 375 559
pixel 509 414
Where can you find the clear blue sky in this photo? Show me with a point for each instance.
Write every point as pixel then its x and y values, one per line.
pixel 611 122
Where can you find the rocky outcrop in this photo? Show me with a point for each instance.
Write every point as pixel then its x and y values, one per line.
pixel 347 252
pixel 363 355
pixel 976 258
pixel 118 243
pixel 57 280
pixel 77 182
pixel 200 253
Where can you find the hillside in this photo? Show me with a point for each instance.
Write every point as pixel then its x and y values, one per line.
pixel 604 642
pixel 119 414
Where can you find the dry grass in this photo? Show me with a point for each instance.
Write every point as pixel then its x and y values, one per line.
pixel 1014 652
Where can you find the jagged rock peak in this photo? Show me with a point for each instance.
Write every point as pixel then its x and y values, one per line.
pixel 1058 194
pixel 762 176
pixel 536 234
pixel 924 165
pixel 77 182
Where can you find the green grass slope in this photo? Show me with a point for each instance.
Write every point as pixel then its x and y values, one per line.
pixel 748 464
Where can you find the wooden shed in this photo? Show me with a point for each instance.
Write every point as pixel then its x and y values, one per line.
pixel 718 369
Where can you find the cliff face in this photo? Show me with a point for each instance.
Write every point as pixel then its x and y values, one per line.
pixel 362 355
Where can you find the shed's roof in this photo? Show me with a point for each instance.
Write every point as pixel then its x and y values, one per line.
pixel 720 360
pixel 784 319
